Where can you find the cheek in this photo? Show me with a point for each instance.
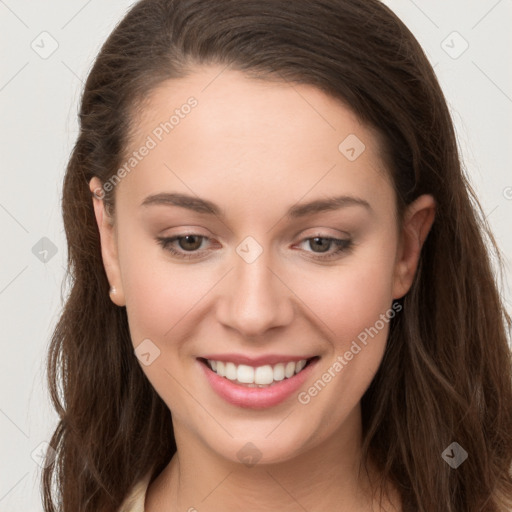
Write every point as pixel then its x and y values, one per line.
pixel 355 305
pixel 158 293
pixel 352 296
pixel 160 299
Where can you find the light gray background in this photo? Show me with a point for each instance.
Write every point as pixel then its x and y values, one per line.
pixel 39 101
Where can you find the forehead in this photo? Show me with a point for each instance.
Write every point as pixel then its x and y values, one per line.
pixel 217 130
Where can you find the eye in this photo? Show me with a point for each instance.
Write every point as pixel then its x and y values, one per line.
pixel 188 246
pixel 321 246
pixel 188 243
pixel 321 243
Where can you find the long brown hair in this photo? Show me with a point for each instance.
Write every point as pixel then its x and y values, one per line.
pixel 446 373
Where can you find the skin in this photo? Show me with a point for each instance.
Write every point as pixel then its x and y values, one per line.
pixel 256 148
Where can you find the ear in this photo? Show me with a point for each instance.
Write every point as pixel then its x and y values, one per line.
pixel 417 221
pixel 108 242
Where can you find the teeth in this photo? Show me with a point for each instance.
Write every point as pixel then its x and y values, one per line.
pixel 261 376
pixel 221 370
pixel 245 374
pixel 231 372
pixel 300 365
pixel 279 371
pixel 289 369
pixel 264 375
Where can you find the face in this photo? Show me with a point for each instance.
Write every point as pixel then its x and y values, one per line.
pixel 258 231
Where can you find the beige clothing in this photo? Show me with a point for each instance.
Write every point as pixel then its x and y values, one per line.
pixel 134 502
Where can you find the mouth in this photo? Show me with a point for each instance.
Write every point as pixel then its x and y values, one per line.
pixel 264 376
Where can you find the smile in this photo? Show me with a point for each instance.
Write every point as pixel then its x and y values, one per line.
pixel 260 376
pixel 256 385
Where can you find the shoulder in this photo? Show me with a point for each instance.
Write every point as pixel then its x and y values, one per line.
pixel 134 502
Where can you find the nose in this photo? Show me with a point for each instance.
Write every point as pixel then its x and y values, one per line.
pixel 255 298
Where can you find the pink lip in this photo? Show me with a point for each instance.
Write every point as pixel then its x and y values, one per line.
pixel 256 398
pixel 255 361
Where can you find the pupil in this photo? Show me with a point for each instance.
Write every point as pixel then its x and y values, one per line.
pixel 323 246
pixel 187 240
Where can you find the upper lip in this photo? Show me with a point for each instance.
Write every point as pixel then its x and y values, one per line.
pixel 256 361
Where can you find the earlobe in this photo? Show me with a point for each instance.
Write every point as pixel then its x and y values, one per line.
pixel 108 243
pixel 417 222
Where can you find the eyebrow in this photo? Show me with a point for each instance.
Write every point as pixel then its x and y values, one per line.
pixel 199 205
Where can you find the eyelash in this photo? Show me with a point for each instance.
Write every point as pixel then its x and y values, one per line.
pixel 343 246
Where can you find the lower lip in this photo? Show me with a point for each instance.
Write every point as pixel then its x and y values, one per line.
pixel 256 398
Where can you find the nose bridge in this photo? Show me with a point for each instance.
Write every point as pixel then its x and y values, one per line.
pixel 254 299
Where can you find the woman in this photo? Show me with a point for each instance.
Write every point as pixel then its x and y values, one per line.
pixel 281 293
